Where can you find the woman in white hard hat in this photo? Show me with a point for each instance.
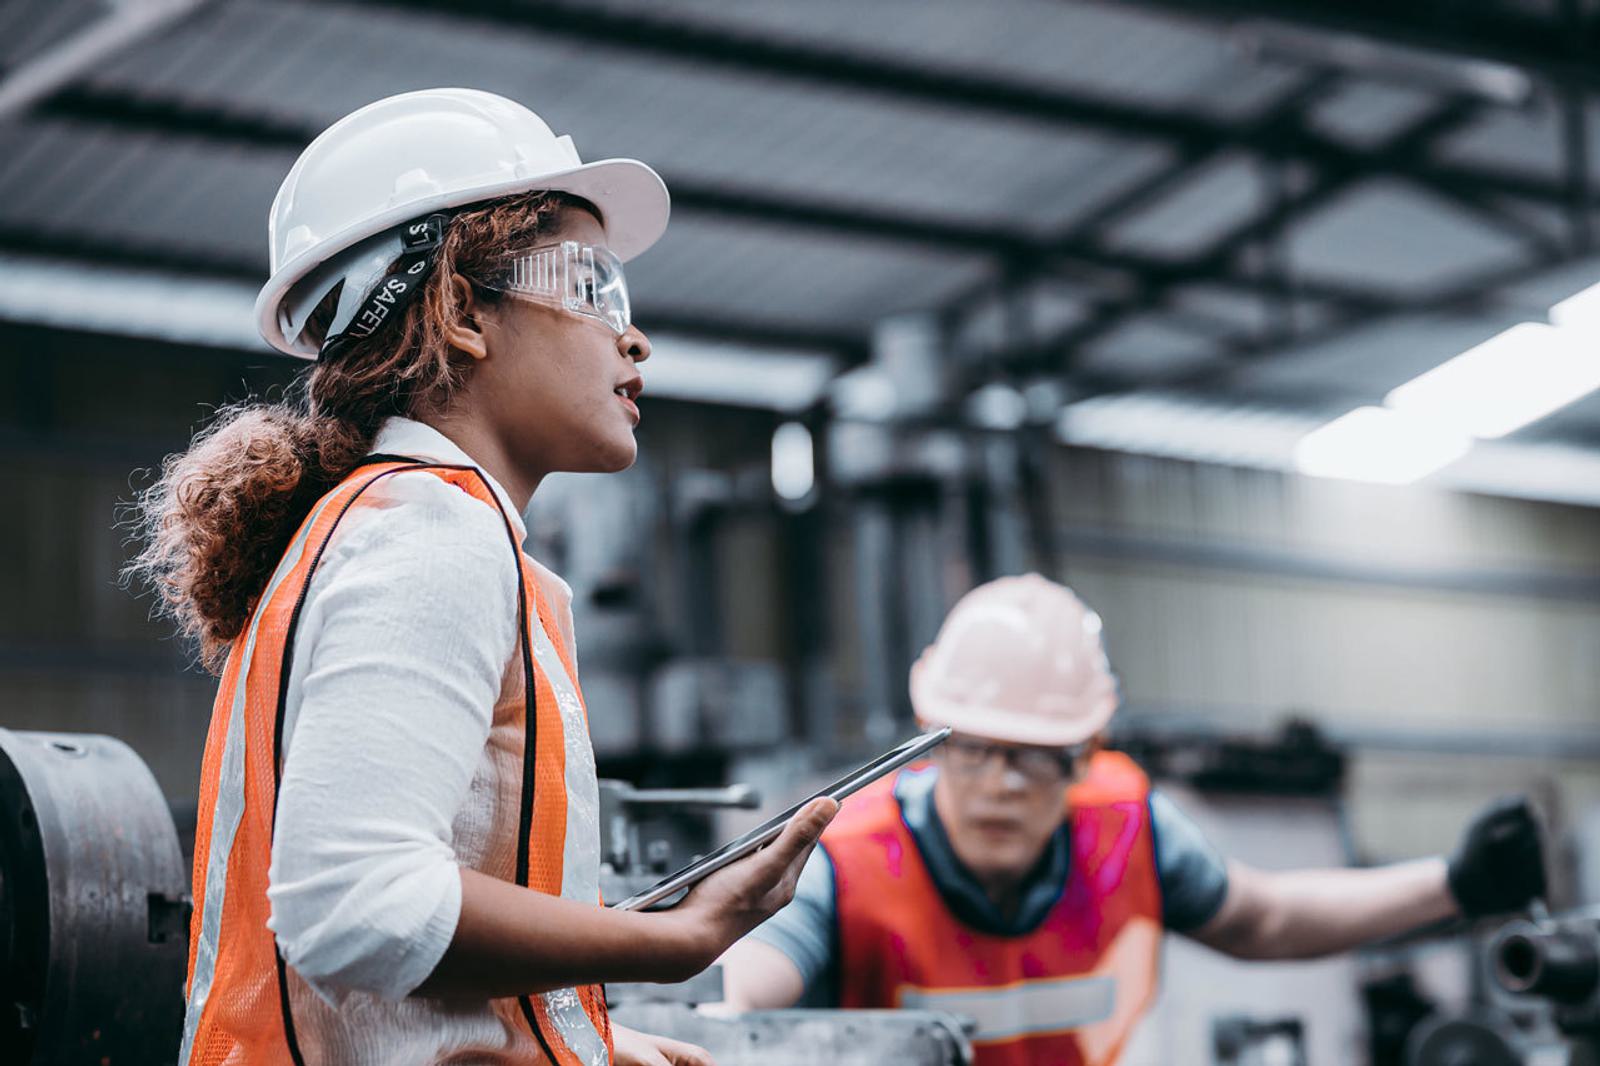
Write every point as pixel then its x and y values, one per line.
pixel 1026 877
pixel 397 854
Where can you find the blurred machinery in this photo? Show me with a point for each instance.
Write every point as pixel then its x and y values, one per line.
pixel 1543 1008
pixel 1238 1040
pixel 93 905
pixel 94 924
pixel 806 1037
pixel 93 890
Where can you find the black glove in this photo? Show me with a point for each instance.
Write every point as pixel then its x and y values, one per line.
pixel 1499 864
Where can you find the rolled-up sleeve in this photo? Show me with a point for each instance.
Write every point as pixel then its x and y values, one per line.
pixel 405 636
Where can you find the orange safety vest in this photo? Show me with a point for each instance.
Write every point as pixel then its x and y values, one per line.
pixel 1067 993
pixel 238 988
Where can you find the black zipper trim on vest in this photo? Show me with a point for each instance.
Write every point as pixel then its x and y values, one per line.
pixel 530 712
pixel 530 716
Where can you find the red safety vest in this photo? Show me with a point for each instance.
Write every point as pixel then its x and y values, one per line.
pixel 1066 994
pixel 238 989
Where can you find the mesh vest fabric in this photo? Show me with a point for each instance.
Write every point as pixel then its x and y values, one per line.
pixel 238 988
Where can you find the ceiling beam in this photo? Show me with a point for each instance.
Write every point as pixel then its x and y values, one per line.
pixel 1285 111
pixel 1463 297
pixel 669 36
pixel 233 126
pixel 1263 231
pixel 120 27
pixel 1544 47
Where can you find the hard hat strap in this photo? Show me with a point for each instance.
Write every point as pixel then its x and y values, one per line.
pixel 419 248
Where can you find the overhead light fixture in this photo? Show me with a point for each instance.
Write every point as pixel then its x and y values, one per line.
pixel 793 462
pixel 1511 379
pixel 1381 445
pixel 182 309
pixel 1182 427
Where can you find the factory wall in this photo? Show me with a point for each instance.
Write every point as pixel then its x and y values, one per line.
pixel 1450 639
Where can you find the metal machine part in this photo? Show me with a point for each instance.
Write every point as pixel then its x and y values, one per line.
pixel 1556 961
pixel 1298 760
pixel 1546 977
pixel 1559 961
pixel 1395 1007
pixel 806 1037
pixel 93 905
pixel 631 863
pixel 1240 1040
pixel 1479 1040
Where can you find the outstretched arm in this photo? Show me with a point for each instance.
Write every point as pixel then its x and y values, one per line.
pixel 757 976
pixel 1302 914
pixel 773 967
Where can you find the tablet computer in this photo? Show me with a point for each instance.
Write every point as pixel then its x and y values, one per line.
pixel 768 831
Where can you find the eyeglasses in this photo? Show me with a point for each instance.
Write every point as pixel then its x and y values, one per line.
pixel 968 755
pixel 584 279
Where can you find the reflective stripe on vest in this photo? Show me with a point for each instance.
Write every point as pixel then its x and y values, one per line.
pixel 1068 992
pixel 1030 1008
pixel 238 1007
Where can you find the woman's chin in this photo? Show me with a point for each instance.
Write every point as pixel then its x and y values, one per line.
pixel 613 456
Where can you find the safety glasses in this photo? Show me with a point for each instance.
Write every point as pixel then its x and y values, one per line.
pixel 969 755
pixel 581 278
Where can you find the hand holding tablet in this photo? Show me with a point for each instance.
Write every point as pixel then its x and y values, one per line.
pixel 768 831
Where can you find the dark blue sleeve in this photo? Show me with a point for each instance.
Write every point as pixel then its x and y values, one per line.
pixel 1193 876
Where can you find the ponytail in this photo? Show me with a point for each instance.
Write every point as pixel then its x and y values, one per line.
pixel 221 515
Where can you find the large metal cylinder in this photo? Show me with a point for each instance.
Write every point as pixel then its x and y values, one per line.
pixel 93 905
pixel 1559 962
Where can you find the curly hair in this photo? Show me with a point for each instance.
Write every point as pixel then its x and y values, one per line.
pixel 213 525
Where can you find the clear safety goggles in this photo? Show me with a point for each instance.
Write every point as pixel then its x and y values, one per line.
pixel 581 278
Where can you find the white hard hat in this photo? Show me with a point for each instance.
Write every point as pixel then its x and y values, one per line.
pixel 1021 660
pixel 406 156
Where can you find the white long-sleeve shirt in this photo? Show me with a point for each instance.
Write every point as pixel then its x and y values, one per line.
pixel 398 769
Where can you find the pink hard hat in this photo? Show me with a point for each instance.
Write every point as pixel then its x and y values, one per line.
pixel 1019 659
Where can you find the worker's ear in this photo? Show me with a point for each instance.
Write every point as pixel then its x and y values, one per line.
pixel 465 334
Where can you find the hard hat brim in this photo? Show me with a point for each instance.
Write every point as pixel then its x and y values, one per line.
pixel 632 199
pixel 990 723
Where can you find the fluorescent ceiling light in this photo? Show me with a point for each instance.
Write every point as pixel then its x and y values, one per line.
pixel 1508 381
pixel 170 307
pixel 1176 426
pixel 1377 444
pixel 1181 427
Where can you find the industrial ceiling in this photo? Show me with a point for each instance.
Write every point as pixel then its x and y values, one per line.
pixel 1299 205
